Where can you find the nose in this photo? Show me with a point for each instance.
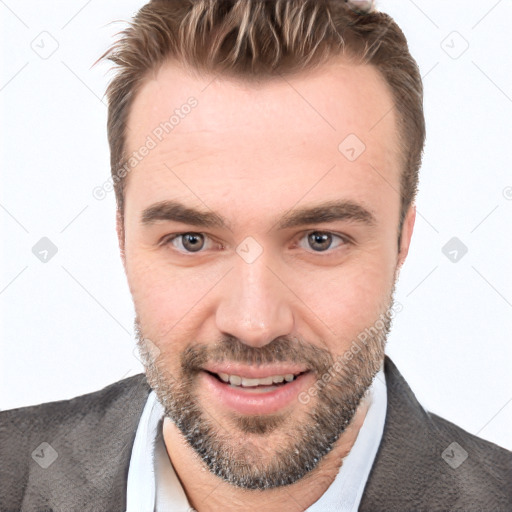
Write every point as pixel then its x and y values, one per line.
pixel 254 305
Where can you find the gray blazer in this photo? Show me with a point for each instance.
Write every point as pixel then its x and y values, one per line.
pixel 73 455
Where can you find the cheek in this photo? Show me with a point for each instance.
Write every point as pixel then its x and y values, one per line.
pixel 351 300
pixel 168 298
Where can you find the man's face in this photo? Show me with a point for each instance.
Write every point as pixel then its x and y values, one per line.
pixel 290 256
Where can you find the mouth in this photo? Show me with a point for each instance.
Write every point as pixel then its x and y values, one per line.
pixel 258 385
pixel 255 390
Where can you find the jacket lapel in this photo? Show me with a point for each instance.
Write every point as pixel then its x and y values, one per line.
pixel 409 472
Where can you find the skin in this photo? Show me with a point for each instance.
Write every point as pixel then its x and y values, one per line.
pixel 252 153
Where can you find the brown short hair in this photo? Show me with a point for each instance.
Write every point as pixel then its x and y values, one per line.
pixel 258 40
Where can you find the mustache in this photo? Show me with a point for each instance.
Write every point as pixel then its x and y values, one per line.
pixel 231 349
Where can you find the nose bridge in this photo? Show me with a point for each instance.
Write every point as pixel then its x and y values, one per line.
pixel 254 305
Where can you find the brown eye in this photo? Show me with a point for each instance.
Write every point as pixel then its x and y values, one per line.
pixel 187 242
pixel 319 241
pixel 322 241
pixel 192 242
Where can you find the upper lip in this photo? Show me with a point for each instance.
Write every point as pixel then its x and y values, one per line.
pixel 255 372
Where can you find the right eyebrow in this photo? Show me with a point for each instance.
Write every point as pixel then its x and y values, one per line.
pixel 177 212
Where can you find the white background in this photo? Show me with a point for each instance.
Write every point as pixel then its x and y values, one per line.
pixel 67 324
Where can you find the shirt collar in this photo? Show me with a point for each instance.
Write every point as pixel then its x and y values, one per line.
pixel 154 486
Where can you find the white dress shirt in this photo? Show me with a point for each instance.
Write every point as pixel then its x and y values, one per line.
pixel 153 485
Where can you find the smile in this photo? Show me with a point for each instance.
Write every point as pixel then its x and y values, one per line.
pixel 255 394
pixel 236 380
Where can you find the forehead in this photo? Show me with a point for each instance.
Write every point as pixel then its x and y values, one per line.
pixel 287 132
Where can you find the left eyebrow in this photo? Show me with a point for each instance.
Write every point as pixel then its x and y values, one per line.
pixel 327 212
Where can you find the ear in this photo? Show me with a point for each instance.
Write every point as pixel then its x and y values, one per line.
pixel 405 239
pixel 120 235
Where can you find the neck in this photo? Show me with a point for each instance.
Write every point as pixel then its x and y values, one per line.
pixel 208 493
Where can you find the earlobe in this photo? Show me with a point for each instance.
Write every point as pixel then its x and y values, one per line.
pixel 407 229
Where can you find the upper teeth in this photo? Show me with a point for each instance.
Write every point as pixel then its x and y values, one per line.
pixel 267 381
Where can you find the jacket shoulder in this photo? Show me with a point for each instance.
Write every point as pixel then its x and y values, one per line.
pixel 74 433
pixel 489 461
pixel 427 463
pixel 55 414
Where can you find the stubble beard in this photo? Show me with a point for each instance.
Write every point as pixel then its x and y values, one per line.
pixel 236 453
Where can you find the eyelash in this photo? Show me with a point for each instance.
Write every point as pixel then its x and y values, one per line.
pixel 344 240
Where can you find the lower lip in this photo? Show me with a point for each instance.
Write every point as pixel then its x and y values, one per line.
pixel 251 401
